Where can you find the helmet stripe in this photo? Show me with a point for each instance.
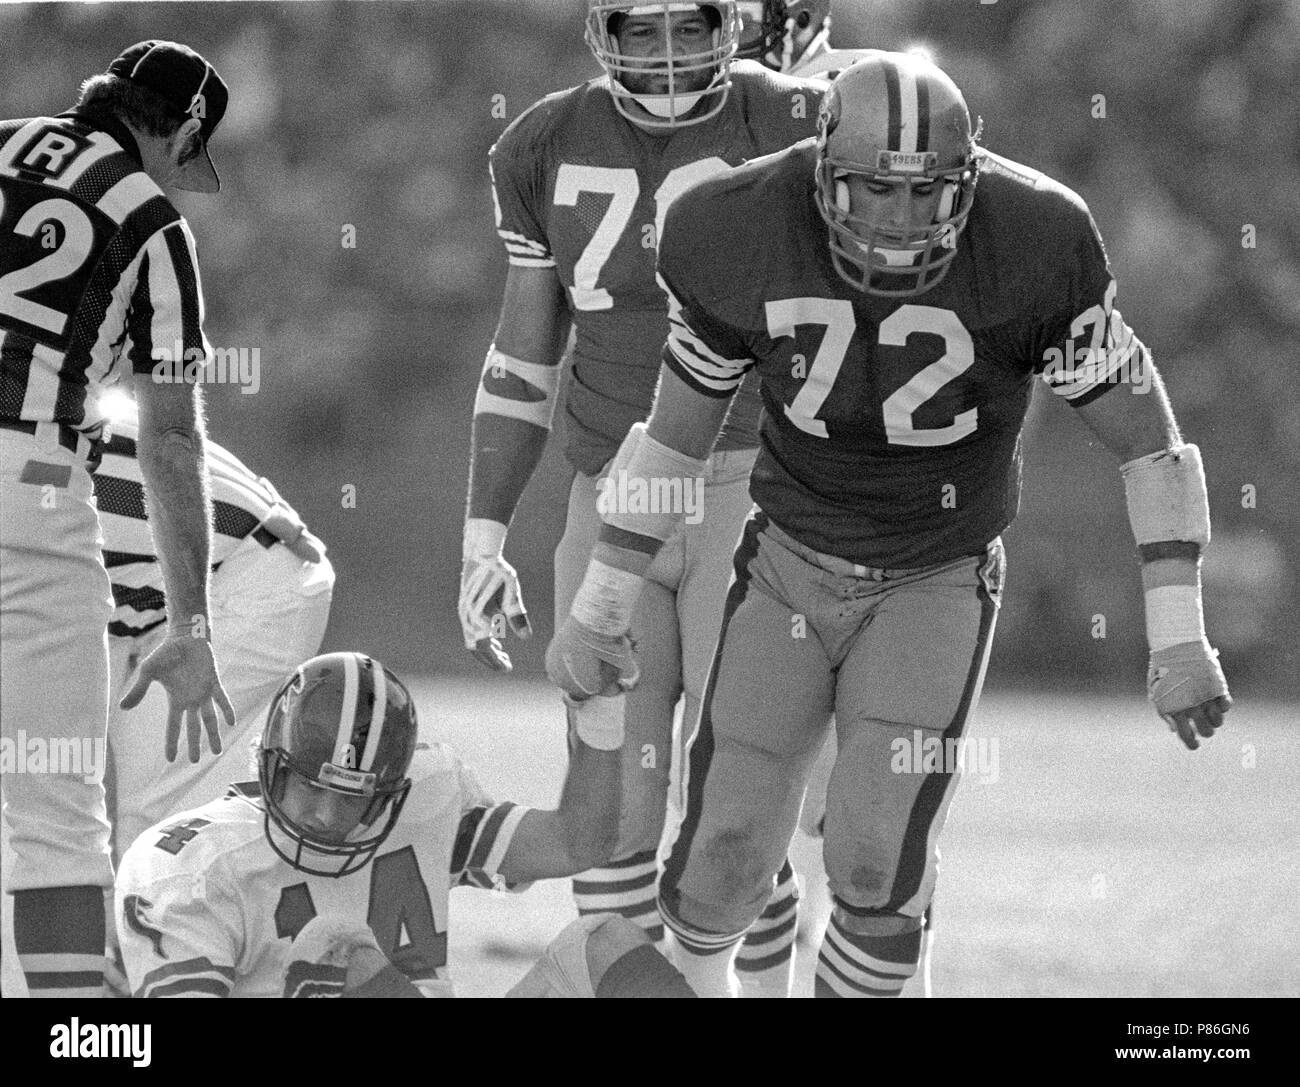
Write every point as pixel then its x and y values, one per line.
pixel 923 113
pixel 348 713
pixel 907 97
pixel 895 109
pixel 378 714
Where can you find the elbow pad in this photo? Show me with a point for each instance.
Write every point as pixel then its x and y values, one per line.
pixel 517 389
pixel 649 486
pixel 1166 497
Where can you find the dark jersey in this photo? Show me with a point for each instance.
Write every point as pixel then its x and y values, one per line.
pixel 892 431
pixel 96 266
pixel 580 188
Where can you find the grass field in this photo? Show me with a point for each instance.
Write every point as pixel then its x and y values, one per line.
pixel 1104 860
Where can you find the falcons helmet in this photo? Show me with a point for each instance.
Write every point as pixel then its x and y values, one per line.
pixel 343 723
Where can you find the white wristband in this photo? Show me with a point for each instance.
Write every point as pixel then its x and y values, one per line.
pixel 1174 616
pixel 482 539
pixel 599 722
pixel 606 598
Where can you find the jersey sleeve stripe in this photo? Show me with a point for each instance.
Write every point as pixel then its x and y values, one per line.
pixel 1082 379
pixel 486 837
pixel 465 835
pixel 199 987
pixel 692 379
pixel 504 835
pixel 199 973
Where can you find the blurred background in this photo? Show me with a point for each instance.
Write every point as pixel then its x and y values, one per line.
pixel 379 116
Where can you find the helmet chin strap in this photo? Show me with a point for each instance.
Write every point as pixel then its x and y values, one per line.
pixel 668 105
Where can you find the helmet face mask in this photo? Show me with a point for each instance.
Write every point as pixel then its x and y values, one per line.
pixel 695 84
pixel 867 128
pixel 342 725
pixel 781 33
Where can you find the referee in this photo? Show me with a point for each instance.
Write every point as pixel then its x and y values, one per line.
pixel 99 279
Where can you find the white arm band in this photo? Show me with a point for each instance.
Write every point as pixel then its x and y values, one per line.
pixel 1167 498
pixel 649 486
pixel 530 398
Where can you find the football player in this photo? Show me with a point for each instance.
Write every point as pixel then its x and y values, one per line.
pixel 903 288
pixel 582 181
pixel 329 876
pixel 271 590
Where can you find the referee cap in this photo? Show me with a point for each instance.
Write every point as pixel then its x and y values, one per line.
pixel 186 81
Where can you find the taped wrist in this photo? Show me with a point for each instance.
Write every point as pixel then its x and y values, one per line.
pixel 1174 616
pixel 482 539
pixel 605 600
pixel 517 389
pixel 644 491
pixel 1166 497
pixel 598 722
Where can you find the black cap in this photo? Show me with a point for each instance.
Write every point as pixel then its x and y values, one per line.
pixel 186 81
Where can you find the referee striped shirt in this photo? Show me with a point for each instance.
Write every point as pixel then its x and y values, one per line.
pixel 240 503
pixel 97 267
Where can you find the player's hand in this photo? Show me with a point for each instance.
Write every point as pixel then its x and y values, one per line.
pixel 324 955
pixel 1189 690
pixel 185 667
pixel 490 600
pixel 583 662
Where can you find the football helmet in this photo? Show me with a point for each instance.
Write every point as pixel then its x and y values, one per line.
pixel 677 106
pixel 897 118
pixel 343 722
pixel 781 33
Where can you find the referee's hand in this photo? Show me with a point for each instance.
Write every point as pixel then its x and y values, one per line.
pixel 185 667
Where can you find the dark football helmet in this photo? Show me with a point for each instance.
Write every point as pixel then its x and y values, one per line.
pixel 677 106
pixel 780 33
pixel 344 723
pixel 898 119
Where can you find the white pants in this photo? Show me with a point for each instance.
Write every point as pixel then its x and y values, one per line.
pixel 54 609
pixel 269 612
pixel 55 603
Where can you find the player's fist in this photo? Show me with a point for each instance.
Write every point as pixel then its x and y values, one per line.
pixel 490 599
pixel 1189 690
pixel 583 662
pixel 185 667
pixel 321 954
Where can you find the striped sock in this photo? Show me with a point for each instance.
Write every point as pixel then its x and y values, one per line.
pixel 59 937
pixel 625 887
pixel 765 961
pixel 704 958
pixel 854 965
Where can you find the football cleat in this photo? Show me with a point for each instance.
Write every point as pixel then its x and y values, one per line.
pixel 696 84
pixel 897 120
pixel 333 762
pixel 781 33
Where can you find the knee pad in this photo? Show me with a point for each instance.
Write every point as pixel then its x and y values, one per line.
pixel 874 922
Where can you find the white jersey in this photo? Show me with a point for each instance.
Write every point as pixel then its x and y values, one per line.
pixel 205 906
pixel 242 502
